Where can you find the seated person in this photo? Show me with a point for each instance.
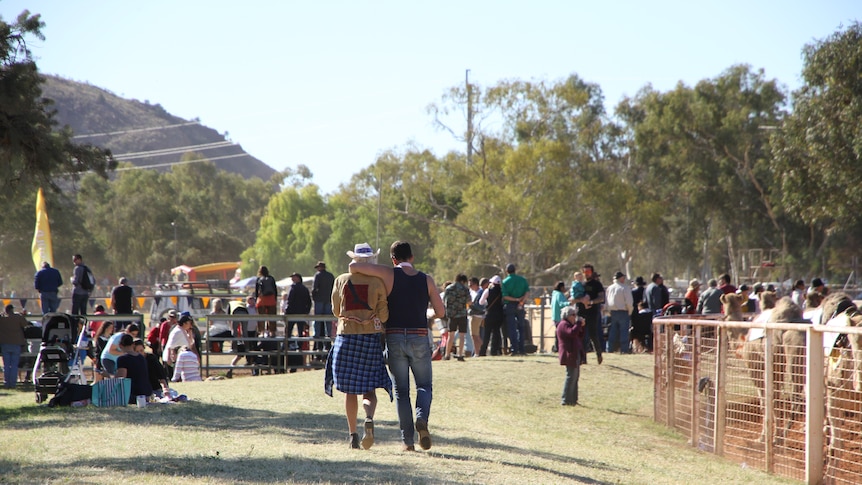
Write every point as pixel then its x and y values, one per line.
pixel 113 349
pixel 641 330
pixel 155 370
pixel 186 368
pixel 133 365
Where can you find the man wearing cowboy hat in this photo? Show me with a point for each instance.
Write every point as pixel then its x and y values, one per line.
pixel 619 301
pixel 355 365
pixel 409 292
pixel 321 294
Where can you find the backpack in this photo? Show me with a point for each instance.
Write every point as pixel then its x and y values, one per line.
pixel 267 286
pixel 89 281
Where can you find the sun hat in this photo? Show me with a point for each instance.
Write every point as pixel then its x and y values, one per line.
pixel 362 250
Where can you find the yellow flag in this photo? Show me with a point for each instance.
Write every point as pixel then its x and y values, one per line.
pixel 42 250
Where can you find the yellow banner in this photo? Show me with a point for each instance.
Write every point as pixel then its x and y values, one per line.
pixel 141 301
pixel 174 301
pixel 206 301
pixel 42 249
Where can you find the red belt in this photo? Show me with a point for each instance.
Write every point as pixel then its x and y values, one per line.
pixel 407 331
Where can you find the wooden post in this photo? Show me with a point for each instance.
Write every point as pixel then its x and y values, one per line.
pixel 815 392
pixel 769 392
pixel 669 392
pixel 657 372
pixel 695 396
pixel 720 397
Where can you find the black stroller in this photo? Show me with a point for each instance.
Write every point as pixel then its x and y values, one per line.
pixel 58 354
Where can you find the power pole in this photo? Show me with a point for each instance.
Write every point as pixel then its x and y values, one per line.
pixel 469 118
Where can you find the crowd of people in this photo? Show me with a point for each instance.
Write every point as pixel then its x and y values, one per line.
pixel 385 314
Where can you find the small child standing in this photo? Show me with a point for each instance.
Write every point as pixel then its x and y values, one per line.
pixel 570 335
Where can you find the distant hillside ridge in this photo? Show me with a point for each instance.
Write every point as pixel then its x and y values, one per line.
pixel 125 126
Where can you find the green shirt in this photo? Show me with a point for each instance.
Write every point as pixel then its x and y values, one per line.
pixel 515 286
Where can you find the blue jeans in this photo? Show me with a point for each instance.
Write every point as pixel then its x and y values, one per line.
pixel 570 386
pixel 50 302
pixel 79 303
pixel 11 357
pixel 517 323
pixel 322 329
pixel 406 353
pixel 618 335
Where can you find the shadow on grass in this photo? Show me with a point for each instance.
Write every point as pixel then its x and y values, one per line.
pixel 309 428
pixel 211 468
pixel 630 372
pixel 562 475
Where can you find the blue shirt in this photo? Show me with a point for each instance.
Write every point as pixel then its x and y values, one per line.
pixel 47 280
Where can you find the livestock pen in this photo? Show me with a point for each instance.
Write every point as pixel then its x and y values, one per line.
pixel 721 393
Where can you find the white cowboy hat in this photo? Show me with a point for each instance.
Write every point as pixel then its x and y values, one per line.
pixel 362 250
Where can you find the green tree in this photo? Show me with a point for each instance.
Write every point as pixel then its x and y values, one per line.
pixel 703 154
pixel 818 148
pixel 34 152
pixel 291 233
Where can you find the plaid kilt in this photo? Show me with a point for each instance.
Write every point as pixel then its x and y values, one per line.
pixel 355 365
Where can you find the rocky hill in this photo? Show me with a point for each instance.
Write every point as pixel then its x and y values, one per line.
pixel 138 130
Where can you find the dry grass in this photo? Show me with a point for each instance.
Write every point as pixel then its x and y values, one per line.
pixel 494 420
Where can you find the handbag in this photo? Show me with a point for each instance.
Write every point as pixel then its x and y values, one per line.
pixel 114 391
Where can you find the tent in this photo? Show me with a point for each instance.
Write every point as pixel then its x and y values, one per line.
pixel 285 282
pixel 245 283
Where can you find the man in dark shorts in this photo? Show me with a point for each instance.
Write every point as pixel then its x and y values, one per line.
pixel 455 298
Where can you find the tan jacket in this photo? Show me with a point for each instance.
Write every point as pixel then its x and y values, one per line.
pixel 12 329
pixel 353 317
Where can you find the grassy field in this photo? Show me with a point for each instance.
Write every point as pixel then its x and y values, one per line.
pixel 493 420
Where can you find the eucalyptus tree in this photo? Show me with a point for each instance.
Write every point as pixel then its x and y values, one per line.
pixel 818 148
pixel 703 155
pixel 538 189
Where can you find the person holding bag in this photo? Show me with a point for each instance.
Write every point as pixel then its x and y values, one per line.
pixel 266 299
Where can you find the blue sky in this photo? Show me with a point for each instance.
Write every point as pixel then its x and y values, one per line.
pixel 332 84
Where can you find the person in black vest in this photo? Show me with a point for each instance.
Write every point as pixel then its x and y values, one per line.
pixel 123 298
pixel 477 314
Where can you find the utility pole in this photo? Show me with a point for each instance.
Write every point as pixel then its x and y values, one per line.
pixel 469 118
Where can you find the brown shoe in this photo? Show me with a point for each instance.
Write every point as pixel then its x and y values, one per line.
pixel 408 448
pixel 368 437
pixel 599 358
pixel 424 436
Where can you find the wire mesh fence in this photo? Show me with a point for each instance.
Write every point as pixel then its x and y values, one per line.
pixel 753 401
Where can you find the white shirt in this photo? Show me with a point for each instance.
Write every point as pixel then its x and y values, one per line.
pixel 177 338
pixel 619 297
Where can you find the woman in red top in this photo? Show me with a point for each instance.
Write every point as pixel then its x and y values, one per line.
pixel 691 296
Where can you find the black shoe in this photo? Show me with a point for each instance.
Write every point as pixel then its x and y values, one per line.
pixel 460 358
pixel 368 437
pixel 424 436
pixel 354 441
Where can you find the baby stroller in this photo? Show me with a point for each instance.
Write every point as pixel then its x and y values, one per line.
pixel 57 354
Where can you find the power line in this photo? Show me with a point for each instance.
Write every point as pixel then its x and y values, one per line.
pixel 136 130
pixel 170 164
pixel 174 151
